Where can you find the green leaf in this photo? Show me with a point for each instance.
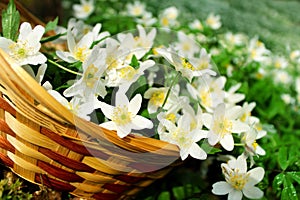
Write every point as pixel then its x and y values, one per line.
pixel 295 176
pixel 164 196
pixel 179 192
pixel 289 191
pixel 51 25
pixel 10 21
pixel 278 181
pixel 134 62
pixel 208 148
pixel 283 158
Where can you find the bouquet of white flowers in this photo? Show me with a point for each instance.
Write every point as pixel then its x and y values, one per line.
pixel 103 116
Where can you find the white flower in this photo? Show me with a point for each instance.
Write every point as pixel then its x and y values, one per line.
pixel 77 106
pixel 193 67
pixel 251 146
pixel 222 124
pixel 231 98
pixel 196 25
pixel 257 50
pixel 138 45
pixel 239 182
pixel 77 51
pixel 287 98
pixel 280 62
pixel 26 49
pixel 146 19
pixel 246 111
pixel 234 39
pixel 124 116
pixel 90 84
pixel 297 87
pixel 97 34
pixel 186 46
pixel 136 9
pixel 209 91
pixel 282 76
pixel 168 17
pixel 185 137
pixel 213 21
pixel 295 56
pixel 157 97
pixel 127 75
pixel 84 9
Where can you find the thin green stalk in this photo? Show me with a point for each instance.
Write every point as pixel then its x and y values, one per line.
pixel 169 90
pixel 64 68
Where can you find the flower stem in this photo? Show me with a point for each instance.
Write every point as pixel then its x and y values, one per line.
pixel 170 88
pixel 64 68
pixel 239 144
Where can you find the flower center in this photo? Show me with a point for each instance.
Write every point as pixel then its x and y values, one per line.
pixel 237 181
pixel 157 98
pixel 205 98
pixel 179 135
pixel 121 116
pixel 89 76
pixel 165 21
pixel 186 64
pixel 137 11
pixel 20 50
pixel 86 8
pixel 171 117
pixel 222 127
pixel 80 53
pixel 127 73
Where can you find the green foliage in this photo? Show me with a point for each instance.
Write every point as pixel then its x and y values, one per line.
pixel 10 21
pixel 51 25
pixel 12 190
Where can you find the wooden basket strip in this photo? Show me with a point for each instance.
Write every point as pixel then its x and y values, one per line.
pixel 5 144
pixel 25 165
pixel 29 134
pixel 27 150
pixel 98 178
pixel 55 184
pixel 59 173
pixel 70 163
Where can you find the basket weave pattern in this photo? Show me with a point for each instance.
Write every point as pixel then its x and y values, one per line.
pixel 43 142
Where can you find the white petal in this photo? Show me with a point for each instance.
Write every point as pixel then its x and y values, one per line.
pixel 253 193
pixel 197 152
pixel 238 127
pixel 221 188
pixel 76 88
pixel 234 112
pixel 123 131
pixel 41 72
pixel 227 142
pixel 71 42
pixel 5 43
pixel 66 56
pixel 140 122
pixel 109 125
pixel 241 164
pixel 260 151
pixel 207 120
pixel 25 30
pixel 256 175
pixel 106 109
pixel 213 138
pixel 58 97
pixel 235 195
pixel 86 40
pixel 121 98
pixel 36 59
pixel 135 104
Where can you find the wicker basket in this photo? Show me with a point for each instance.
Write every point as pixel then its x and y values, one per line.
pixel 44 143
